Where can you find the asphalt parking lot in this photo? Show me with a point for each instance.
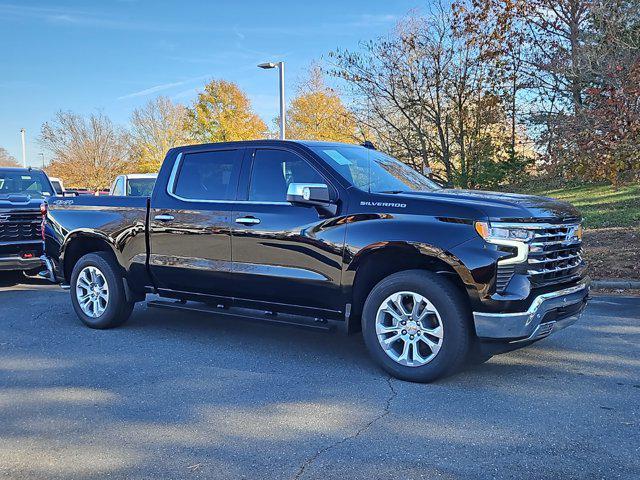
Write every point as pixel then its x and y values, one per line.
pixel 173 395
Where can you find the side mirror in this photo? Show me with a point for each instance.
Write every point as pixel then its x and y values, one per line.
pixel 308 193
pixel 312 194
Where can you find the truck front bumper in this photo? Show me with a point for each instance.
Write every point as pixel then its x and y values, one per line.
pixel 16 262
pixel 548 313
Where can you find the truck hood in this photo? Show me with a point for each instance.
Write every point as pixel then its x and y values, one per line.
pixel 19 202
pixel 504 206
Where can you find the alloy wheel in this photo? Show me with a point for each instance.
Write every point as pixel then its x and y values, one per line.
pixel 409 329
pixel 92 291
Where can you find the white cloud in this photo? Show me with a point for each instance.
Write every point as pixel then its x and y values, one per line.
pixel 163 86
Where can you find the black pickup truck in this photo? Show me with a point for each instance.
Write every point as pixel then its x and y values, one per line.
pixel 22 195
pixel 315 232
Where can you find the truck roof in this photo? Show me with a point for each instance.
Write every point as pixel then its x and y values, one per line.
pixel 247 143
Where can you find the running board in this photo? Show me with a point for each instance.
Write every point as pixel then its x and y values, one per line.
pixel 245 314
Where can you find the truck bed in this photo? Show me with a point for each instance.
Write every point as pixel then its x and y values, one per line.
pixel 121 221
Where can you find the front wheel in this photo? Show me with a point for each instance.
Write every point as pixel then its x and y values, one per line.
pixel 97 291
pixel 416 326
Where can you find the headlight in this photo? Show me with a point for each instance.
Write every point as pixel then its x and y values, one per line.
pixel 509 237
pixel 486 231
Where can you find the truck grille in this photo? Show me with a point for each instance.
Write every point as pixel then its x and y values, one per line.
pixel 20 228
pixel 505 273
pixel 555 254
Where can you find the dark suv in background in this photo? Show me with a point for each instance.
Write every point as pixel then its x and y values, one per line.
pixel 22 203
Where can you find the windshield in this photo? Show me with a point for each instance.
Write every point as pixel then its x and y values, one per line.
pixel 374 171
pixel 35 184
pixel 140 187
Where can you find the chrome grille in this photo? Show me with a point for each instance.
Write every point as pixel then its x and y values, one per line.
pixel 555 254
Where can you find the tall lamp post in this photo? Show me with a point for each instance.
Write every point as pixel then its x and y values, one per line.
pixel 24 147
pixel 280 66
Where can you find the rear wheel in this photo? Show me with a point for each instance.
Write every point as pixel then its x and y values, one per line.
pixel 416 326
pixel 97 291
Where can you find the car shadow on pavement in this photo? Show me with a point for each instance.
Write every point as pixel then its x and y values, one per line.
pixel 10 279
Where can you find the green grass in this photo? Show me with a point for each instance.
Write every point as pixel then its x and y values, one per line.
pixel 601 205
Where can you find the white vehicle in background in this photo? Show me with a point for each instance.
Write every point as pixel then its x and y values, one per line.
pixel 134 185
pixel 58 186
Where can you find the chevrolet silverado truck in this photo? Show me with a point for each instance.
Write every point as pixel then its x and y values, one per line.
pixel 316 233
pixel 22 194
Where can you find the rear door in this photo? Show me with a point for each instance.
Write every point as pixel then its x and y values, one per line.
pixel 284 253
pixel 189 223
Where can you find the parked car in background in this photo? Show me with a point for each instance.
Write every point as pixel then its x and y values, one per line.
pixel 22 195
pixel 328 231
pixel 60 189
pixel 134 185
pixel 58 186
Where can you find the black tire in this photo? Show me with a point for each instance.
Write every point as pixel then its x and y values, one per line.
pixel 118 309
pixel 454 316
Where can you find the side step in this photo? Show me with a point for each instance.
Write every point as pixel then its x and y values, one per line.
pixel 245 314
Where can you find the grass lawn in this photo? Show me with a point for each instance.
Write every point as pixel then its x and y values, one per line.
pixel 612 221
pixel 602 205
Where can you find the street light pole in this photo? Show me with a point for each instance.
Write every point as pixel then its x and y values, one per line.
pixel 282 107
pixel 280 66
pixel 24 148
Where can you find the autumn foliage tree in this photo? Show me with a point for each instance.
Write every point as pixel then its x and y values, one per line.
pixel 223 113
pixel 155 128
pixel 87 151
pixel 318 113
pixel 432 95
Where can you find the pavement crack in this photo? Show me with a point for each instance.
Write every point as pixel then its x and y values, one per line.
pixel 309 461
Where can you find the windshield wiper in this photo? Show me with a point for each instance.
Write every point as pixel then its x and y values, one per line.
pixel 392 191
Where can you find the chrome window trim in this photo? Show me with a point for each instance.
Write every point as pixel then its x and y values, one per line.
pixel 171 186
pixel 173 179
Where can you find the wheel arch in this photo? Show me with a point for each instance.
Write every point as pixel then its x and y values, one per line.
pixel 377 261
pixel 79 243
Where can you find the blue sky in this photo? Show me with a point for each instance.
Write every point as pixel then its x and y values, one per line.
pixel 115 55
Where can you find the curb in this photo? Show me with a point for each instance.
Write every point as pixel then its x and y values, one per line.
pixel 618 284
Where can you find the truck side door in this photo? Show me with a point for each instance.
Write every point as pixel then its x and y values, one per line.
pixel 189 222
pixel 283 253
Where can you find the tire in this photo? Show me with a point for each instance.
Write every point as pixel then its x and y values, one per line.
pixel 440 326
pixel 101 313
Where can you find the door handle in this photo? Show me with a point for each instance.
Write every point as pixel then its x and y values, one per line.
pixel 163 218
pixel 248 220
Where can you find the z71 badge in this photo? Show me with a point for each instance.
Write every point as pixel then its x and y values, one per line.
pixel 63 202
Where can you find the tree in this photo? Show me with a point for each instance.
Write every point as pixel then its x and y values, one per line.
pixel 223 113
pixel 87 151
pixel 317 112
pixel 584 62
pixel 155 128
pixel 6 159
pixel 432 92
